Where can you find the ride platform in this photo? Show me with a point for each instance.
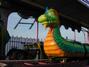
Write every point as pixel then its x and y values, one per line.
pixel 42 63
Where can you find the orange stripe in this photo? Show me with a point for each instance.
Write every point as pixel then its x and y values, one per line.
pixel 49 38
pixel 50 44
pixel 47 46
pixel 49 35
pixel 51 50
pixel 59 55
pixel 49 32
pixel 48 41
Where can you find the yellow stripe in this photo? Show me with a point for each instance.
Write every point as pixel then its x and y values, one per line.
pixel 55 53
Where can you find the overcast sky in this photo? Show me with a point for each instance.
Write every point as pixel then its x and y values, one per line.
pixel 23 30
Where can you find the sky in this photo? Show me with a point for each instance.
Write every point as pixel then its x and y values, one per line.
pixel 23 30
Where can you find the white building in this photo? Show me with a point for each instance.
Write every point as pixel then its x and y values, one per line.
pixel 19 43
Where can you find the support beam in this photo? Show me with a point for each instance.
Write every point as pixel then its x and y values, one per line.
pixel 3 34
pixel 33 4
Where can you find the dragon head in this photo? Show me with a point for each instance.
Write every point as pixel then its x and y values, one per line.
pixel 49 18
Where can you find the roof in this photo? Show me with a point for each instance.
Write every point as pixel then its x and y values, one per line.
pixel 72 10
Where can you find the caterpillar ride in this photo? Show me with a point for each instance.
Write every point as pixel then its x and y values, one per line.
pixel 55 45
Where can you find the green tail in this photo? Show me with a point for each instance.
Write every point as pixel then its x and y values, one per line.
pixel 69 46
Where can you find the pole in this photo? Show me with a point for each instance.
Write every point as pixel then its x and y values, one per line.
pixel 84 37
pixel 37 30
pixel 88 37
pixel 74 35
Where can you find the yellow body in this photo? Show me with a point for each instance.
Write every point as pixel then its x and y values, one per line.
pixel 50 47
